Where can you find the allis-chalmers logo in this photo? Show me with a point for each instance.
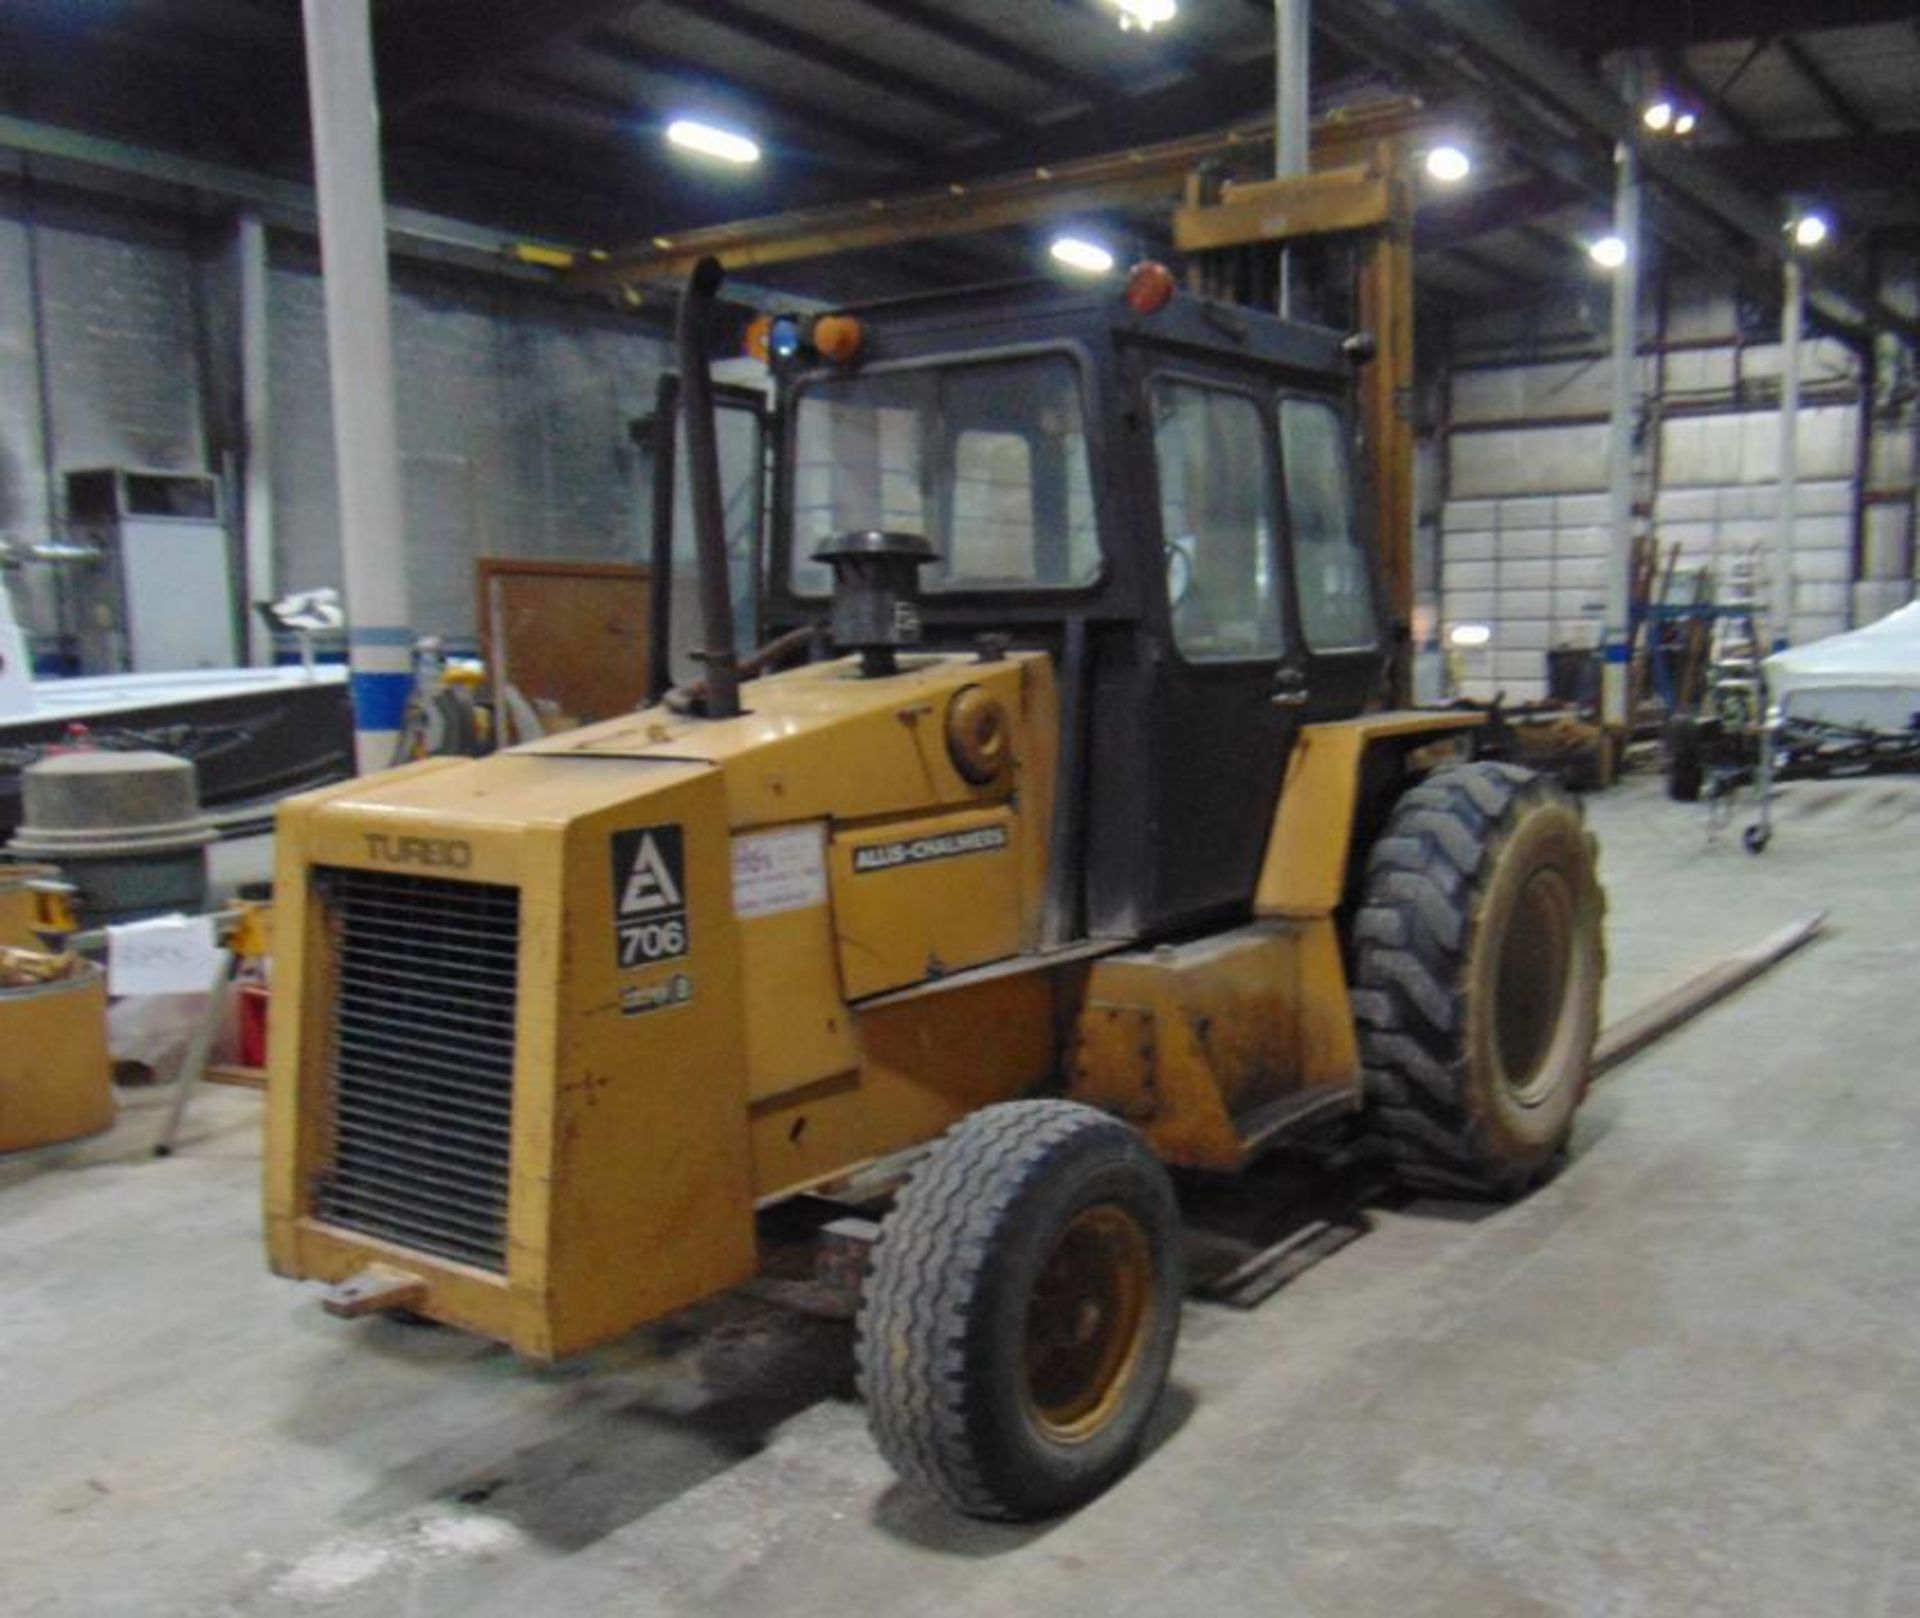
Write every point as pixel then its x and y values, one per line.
pixel 442 853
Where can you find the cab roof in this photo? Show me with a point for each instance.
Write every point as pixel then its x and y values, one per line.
pixel 1011 314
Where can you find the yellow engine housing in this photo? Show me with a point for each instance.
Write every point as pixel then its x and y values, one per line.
pixel 554 1025
pixel 823 848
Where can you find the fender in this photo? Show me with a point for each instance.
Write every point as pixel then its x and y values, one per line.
pixel 1303 874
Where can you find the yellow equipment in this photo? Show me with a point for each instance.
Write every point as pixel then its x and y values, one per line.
pixel 1089 860
pixel 56 1081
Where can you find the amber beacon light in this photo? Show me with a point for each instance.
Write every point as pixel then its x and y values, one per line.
pixel 1150 287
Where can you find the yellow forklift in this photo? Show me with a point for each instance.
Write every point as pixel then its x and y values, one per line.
pixel 1083 852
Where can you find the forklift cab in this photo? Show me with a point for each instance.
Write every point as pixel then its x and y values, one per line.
pixel 1163 498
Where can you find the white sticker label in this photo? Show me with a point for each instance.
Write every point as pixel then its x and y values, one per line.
pixel 168 955
pixel 776 871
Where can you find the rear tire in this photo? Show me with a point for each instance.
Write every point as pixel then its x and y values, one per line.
pixel 1478 966
pixel 1022 1309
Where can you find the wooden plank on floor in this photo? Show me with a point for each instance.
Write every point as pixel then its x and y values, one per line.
pixel 1679 1006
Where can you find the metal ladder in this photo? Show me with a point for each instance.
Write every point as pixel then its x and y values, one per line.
pixel 1737 689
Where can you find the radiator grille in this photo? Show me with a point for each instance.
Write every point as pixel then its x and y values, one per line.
pixel 422 1080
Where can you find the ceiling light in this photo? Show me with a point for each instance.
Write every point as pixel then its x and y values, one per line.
pixel 1810 230
pixel 1145 15
pixel 1469 635
pixel 1609 252
pixel 1449 164
pixel 1658 117
pixel 1077 253
pixel 729 146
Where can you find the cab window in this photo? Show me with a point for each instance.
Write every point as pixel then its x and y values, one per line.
pixel 1331 578
pixel 1216 522
pixel 988 459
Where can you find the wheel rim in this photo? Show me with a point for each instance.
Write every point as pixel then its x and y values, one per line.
pixel 1536 956
pixel 1087 1323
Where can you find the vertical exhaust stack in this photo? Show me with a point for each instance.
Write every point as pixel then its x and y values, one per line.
pixel 694 333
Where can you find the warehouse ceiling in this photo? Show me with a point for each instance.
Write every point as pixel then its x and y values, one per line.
pixel 546 116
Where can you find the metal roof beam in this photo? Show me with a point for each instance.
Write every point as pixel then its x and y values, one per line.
pixel 1167 53
pixel 850 63
pixel 1244 90
pixel 437 50
pixel 1451 223
pixel 940 21
pixel 1536 68
pixel 1634 24
pixel 1673 68
pixel 1140 176
pixel 1824 87
pixel 1885 161
pixel 1555 244
pixel 1488 267
pixel 1707 242
pixel 799 116
pixel 1334 54
pixel 101 164
pixel 619 118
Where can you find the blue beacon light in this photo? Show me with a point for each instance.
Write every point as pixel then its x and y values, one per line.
pixel 783 338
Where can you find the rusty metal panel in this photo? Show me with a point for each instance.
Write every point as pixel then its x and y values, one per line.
pixel 1197 1043
pixel 1115 1062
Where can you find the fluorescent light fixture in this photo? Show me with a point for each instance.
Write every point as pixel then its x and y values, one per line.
pixel 1449 164
pixel 690 135
pixel 1609 252
pixel 1658 117
pixel 1810 230
pixel 1468 636
pixel 1145 15
pixel 1077 253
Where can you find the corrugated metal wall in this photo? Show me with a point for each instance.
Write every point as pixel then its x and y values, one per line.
pixel 1523 527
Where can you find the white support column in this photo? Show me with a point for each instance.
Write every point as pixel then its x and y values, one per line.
pixel 1626 364
pixel 1792 320
pixel 353 255
pixel 256 430
pixel 1292 87
pixel 1292 110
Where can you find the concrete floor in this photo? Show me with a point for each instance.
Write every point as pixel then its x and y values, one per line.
pixel 1683 1379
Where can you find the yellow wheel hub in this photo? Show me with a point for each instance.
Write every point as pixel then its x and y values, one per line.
pixel 1087 1323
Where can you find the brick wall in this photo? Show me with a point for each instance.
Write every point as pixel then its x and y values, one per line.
pixel 118 333
pixel 513 414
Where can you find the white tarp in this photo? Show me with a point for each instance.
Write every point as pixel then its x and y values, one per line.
pixel 1868 677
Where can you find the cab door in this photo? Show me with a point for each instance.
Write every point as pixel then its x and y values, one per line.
pixel 1334 583
pixel 1229 683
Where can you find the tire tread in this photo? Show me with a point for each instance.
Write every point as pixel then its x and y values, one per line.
pixel 912 1344
pixel 1423 887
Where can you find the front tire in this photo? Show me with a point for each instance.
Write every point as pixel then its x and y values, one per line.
pixel 1022 1309
pixel 1479 960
